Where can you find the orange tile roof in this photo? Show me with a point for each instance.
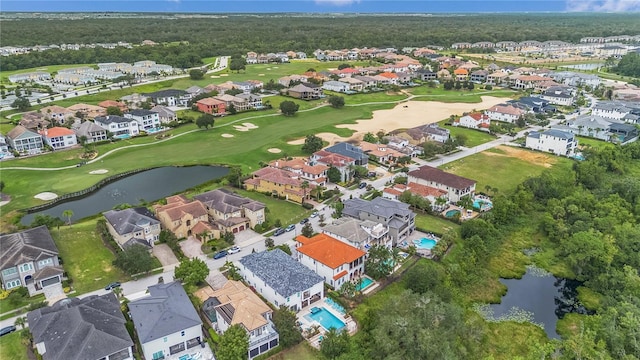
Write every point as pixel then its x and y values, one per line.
pixel 461 72
pixel 176 210
pixel 340 274
pixel 327 250
pixel 424 190
pixel 210 101
pixel 57 131
pixel 389 75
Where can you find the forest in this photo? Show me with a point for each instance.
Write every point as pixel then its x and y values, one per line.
pixel 629 65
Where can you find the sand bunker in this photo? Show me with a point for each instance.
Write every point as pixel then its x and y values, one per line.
pixel 46 196
pixel 240 128
pixel 260 74
pixel 296 142
pixel 99 171
pixel 331 138
pixel 214 76
pixel 268 68
pixel 227 135
pixel 274 150
pixel 249 126
pixel 536 158
pixel 224 74
pixel 415 113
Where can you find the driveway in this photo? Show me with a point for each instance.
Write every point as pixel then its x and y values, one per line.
pixel 192 248
pixel 165 255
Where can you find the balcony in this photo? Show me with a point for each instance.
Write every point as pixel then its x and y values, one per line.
pixel 267 335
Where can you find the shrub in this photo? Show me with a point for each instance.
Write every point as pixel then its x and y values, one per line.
pixel 307 206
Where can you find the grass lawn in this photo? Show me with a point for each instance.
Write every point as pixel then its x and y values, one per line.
pixel 287 212
pixel 591 142
pixel 503 167
pixel 506 340
pixel 86 259
pixel 11 347
pixel 474 137
pixel 5 305
pixel 434 224
pixel 425 93
pixel 302 351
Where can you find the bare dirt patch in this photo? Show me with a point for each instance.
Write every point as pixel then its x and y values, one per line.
pixel 532 157
pixel 46 196
pixel 227 135
pixel 274 150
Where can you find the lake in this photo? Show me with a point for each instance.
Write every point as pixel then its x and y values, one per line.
pixel 547 297
pixel 149 185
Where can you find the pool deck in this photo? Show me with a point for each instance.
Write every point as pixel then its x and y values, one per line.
pixel 314 340
pixel 416 235
pixel 206 353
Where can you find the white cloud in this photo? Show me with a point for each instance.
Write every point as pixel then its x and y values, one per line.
pixel 336 2
pixel 175 1
pixel 603 5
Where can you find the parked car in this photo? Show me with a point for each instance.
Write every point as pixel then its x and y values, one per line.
pixel 220 254
pixel 112 286
pixel 7 330
pixel 304 221
pixel 234 250
pixel 279 231
pixel 314 214
pixel 362 185
pixel 290 228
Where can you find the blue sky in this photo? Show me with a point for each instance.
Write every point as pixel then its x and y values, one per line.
pixel 323 6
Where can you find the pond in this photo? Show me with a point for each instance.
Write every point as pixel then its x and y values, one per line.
pixel 545 296
pixel 148 185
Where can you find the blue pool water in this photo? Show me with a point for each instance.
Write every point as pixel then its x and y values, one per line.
pixel 364 283
pixel 153 130
pixel 123 136
pixel 451 213
pixel 335 305
pixel 425 243
pixel 486 204
pixel 327 320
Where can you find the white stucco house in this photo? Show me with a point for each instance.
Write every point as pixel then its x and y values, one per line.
pixel 554 141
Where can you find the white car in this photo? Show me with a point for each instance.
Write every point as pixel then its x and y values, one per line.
pixel 233 250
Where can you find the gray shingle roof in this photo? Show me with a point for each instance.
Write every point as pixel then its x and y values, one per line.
pixel 379 206
pixel 350 229
pixel 79 329
pixel 129 220
pixel 141 112
pixel 26 246
pixel 226 201
pixel 112 119
pixel 165 311
pixel 280 272
pixel 558 133
pixel 165 93
pixel 349 150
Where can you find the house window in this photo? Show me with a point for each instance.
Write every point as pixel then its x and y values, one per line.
pixel 9 271
pixel 45 262
pixel 165 339
pixel 12 284
pixel 26 267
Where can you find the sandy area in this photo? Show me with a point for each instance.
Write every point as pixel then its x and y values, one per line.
pixel 326 136
pixel 535 158
pixel 296 142
pixel 99 171
pixel 415 113
pixel 240 128
pixel 224 74
pixel 214 76
pixel 46 196
pixel 227 135
pixel 260 74
pixel 250 125
pixel 274 150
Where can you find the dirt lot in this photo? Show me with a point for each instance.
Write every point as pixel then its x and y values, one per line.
pixel 536 158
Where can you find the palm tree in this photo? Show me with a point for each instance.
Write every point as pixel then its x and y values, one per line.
pixel 21 321
pixel 68 214
pixel 304 186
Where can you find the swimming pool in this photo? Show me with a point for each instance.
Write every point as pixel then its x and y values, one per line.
pixel 123 136
pixel 482 204
pixel 364 283
pixel 326 319
pixel 425 243
pixel 451 213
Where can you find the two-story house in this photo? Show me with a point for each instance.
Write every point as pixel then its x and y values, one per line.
pixel 235 304
pixel 428 193
pixel 475 120
pixel 147 119
pixel 335 261
pixel 380 152
pixel 455 186
pixel 554 141
pixel 170 97
pixel 282 183
pixel 133 226
pixel 211 106
pixel 253 101
pixel 30 259
pixel 166 321
pixel 429 132
pixel 92 328
pixel 305 91
pixel 230 212
pixel 361 234
pixel 506 113
pixel 59 137
pixel 314 174
pixel 280 279
pixel 91 132
pixel 391 213
pixel 165 114
pixel 119 126
pixel 181 216
pixel 57 114
pixel 349 150
pixel 24 140
pixel 87 110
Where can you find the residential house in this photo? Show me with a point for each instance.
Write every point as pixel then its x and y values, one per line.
pixel 344 164
pixel 456 186
pixel 478 121
pixel 238 103
pixel 404 78
pixel 361 234
pixel 91 132
pixel 252 101
pixel 170 97
pixel 57 113
pixel 533 104
pixel 287 80
pixel 87 110
pixel 337 86
pixel 335 261
pixel 600 128
pixel 166 321
pixel 615 110
pixel 59 137
pixel 180 216
pixel 402 145
pixel 428 193
pixel 236 304
pixel 165 114
pixel 31 76
pixel 4 148
pixel 479 76
pixel 195 90
pixel 34 120
pixel 368 82
pixel 498 78
pixel 426 75
pixel 245 86
pixel 559 95
pixel 524 82
pixel 351 151
pixel 429 132
pixel 388 78
pixel 134 100
pixel 230 212
pixel 461 74
pixel 305 91
pixel 571 78
pixel 503 112
pixel 314 174
pixel 133 226
pixel 24 140
pixel 29 258
pixel 211 106
pixel 282 183
pixel 147 119
pixel 119 126
pixel 444 74
pixel 281 280
pixel 92 328
pixel 301 55
pixel 554 141
pixel 112 103
pixel 380 152
pixel 394 214
pixel 354 84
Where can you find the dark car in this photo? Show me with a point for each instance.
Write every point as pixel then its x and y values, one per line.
pixel 304 221
pixel 362 185
pixel 279 231
pixel 112 286
pixel 7 330
pixel 220 255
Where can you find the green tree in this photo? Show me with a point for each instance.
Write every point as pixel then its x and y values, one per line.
pixel 336 101
pixel 370 138
pixel 430 149
pixel 335 344
pixel 228 237
pixel 114 110
pixel 1 185
pixel 379 263
pixel 20 321
pixel 343 66
pixel 269 243
pixel 21 103
pixel 285 323
pixel 234 344
pixel 205 121
pixel 348 289
pixel 588 253
pixel 334 175
pixel 196 74
pixel 307 230
pixel 237 64
pixel 289 108
pixel 461 139
pixel 68 214
pixel 47 220
pixel 312 144
pixel 192 272
pixel 134 259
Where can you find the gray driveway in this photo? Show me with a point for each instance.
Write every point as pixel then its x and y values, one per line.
pixel 164 254
pixel 192 248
